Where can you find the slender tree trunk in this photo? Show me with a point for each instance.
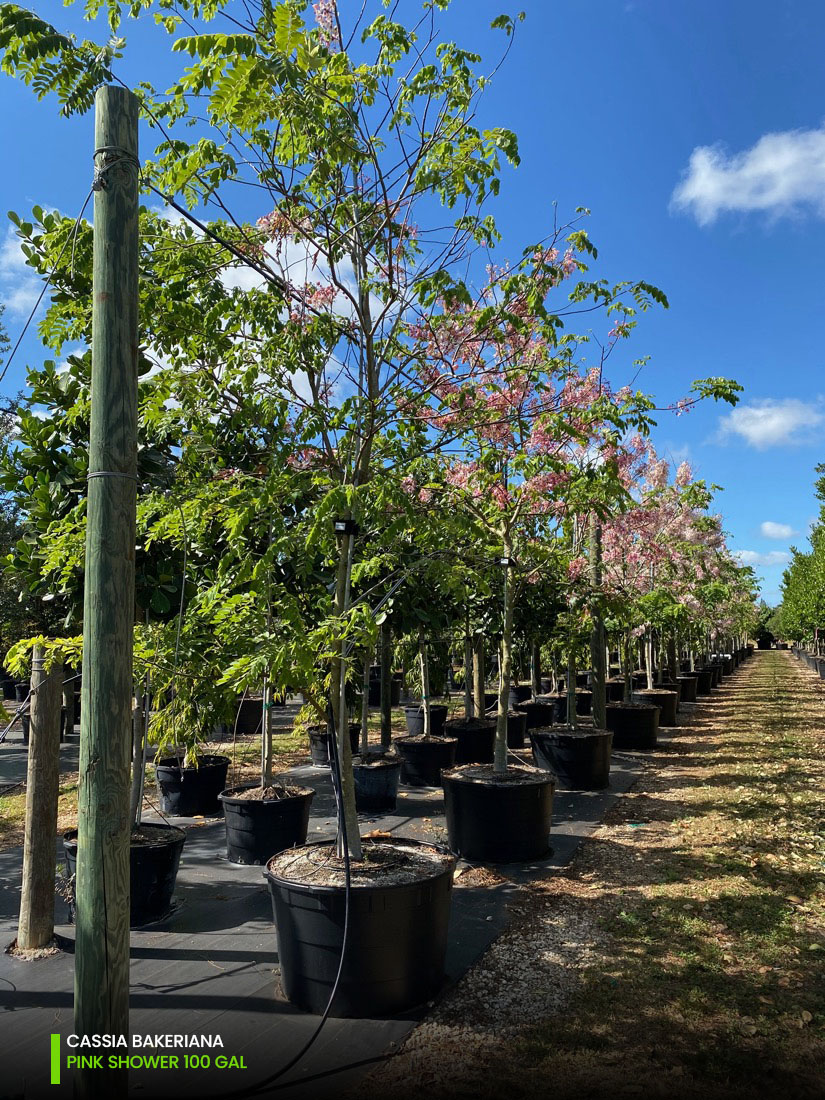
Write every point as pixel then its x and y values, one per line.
pixel 266 734
pixel 425 683
pixel 673 658
pixel 339 702
pixel 628 665
pixel 479 675
pixel 468 674
pixel 36 926
pixel 599 658
pixel 571 685
pixel 649 658
pixel 365 704
pixel 139 722
pixel 386 685
pixel 505 667
pixel 535 668
pixel 67 688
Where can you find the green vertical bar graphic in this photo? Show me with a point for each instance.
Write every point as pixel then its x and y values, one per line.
pixel 55 1078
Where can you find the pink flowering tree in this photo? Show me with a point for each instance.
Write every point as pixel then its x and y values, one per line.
pixel 509 384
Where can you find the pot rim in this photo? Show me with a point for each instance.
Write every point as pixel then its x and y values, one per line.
pixel 541 779
pixel 208 760
pixel 419 739
pixel 70 836
pixel 227 795
pixel 321 888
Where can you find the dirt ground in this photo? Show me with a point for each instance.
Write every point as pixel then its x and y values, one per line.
pixel 682 953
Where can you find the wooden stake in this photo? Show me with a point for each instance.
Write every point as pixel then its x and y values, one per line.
pixel 36 927
pixel 102 891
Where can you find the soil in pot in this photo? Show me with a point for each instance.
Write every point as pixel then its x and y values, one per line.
pixel 424 758
pixel 498 818
pixel 377 776
pixel 414 717
pixel 476 739
pixel 397 930
pixel 191 792
pixel 154 858
pixel 516 729
pixel 666 701
pixel 319 743
pixel 634 725
pixel 580 759
pixel 261 821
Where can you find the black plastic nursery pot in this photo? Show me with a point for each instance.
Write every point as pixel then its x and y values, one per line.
pixel 498 818
pixel 614 690
pixel 319 744
pixel 584 702
pixel 248 717
pixel 580 759
pixel 424 758
pixel 516 729
pixel 540 712
pixel 377 777
pixel 666 701
pixel 704 681
pixel 153 869
pixel 634 725
pixel 194 791
pixel 519 693
pixel 476 739
pixel 258 828
pixel 546 685
pixel 397 933
pixel 688 685
pixel 727 665
pixel 414 717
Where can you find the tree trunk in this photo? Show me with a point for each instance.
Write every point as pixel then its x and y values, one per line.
pixel 535 668
pixel 649 658
pixel 468 675
pixel 266 734
pixel 386 685
pixel 598 648
pixel 425 683
pixel 365 704
pixel 628 664
pixel 571 685
pixel 505 667
pixel 339 704
pixel 36 927
pixel 479 676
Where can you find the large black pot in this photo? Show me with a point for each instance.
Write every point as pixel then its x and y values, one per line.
pixel 580 759
pixel 516 729
pixel 256 829
pixel 376 783
pixel 584 701
pixel 494 820
pixel 634 725
pixel 319 744
pixel 423 759
pixel 153 869
pixel 704 681
pixel 688 685
pixel 191 792
pixel 541 712
pixel 7 684
pixel 716 674
pixel 396 943
pixel 614 690
pixel 415 719
pixel 248 717
pixel 665 700
pixel 519 693
pixel 476 739
pixel 375 690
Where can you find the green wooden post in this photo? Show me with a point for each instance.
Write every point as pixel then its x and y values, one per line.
pixel 102 885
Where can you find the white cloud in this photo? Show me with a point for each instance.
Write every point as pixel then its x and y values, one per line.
pixel 783 173
pixel 753 557
pixel 772 422
pixel 19 286
pixel 772 530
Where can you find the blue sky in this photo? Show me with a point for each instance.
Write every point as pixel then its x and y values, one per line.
pixel 695 133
